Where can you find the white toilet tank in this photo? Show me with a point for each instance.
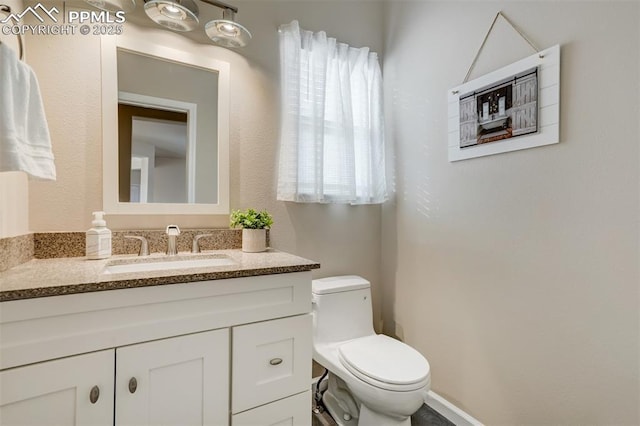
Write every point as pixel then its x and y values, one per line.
pixel 341 308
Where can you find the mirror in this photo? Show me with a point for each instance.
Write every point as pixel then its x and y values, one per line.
pixel 165 130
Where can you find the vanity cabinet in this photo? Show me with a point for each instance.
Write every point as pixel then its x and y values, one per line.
pixel 206 353
pixel 181 380
pixel 71 391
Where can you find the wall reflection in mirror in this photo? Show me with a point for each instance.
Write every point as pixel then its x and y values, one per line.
pixel 167 131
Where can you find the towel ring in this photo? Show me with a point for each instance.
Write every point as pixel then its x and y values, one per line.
pixel 6 9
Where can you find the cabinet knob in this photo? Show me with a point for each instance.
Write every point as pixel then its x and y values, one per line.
pixel 94 394
pixel 276 361
pixel 133 385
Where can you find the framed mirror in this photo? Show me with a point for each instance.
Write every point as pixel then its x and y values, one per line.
pixel 165 116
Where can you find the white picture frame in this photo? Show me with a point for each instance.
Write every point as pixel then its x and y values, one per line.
pixel 547 117
pixel 137 44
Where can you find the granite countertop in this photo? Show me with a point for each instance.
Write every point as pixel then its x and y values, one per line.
pixel 56 277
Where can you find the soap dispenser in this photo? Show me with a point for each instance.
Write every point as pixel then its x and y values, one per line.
pixel 98 238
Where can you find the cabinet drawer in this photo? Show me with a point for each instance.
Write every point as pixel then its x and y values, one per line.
pixel 292 411
pixel 271 360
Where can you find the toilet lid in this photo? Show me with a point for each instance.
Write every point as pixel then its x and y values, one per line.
pixel 384 360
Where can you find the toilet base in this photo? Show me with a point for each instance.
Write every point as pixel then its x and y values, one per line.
pixel 372 418
pixel 337 413
pixel 340 403
pixel 347 411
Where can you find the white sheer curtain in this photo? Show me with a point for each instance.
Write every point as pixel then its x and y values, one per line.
pixel 332 129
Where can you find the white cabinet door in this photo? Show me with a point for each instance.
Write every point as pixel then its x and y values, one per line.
pixel 292 411
pixel 271 360
pixel 178 381
pixel 71 391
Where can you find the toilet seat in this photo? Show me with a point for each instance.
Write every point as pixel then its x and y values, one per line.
pixel 385 363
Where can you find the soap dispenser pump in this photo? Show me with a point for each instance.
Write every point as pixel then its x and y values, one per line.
pixel 98 245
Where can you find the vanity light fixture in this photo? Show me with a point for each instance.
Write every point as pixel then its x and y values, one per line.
pixel 177 15
pixel 182 15
pixel 226 32
pixel 113 5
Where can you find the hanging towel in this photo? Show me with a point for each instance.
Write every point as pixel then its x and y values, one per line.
pixel 25 144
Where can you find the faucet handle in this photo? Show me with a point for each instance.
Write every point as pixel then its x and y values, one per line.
pixel 173 230
pixel 196 242
pixel 144 244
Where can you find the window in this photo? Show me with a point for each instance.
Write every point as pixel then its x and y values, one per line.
pixel 332 129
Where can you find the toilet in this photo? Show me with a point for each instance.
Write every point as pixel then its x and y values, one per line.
pixel 373 380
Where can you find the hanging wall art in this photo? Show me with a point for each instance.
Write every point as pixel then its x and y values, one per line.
pixel 515 107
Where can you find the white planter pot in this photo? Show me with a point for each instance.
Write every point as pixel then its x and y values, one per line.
pixel 254 240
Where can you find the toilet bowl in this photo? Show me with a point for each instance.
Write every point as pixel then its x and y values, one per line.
pixel 374 380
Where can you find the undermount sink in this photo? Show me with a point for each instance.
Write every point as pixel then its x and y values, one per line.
pixel 165 264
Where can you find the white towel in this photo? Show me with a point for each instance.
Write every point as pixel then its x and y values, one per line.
pixel 25 143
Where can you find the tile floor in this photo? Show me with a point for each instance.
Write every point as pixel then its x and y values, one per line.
pixel 425 416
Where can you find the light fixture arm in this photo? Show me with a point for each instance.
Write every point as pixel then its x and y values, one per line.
pixel 221 5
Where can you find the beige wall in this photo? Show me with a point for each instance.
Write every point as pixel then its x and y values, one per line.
pixel 517 274
pixel 14 204
pixel 344 239
pixel 68 70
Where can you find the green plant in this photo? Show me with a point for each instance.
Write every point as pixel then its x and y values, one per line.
pixel 251 219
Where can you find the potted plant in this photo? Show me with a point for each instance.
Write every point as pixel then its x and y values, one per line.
pixel 254 226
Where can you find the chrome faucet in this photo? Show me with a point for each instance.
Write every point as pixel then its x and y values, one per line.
pixel 144 244
pixel 172 232
pixel 195 248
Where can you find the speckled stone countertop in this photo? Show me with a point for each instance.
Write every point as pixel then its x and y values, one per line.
pixel 56 277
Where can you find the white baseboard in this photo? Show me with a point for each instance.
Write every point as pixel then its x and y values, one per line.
pixel 451 412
